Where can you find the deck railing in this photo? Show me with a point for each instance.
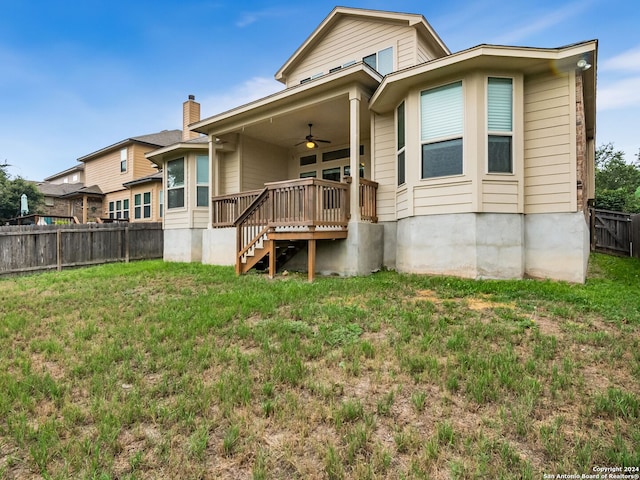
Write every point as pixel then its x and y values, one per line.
pixel 227 208
pixel 297 203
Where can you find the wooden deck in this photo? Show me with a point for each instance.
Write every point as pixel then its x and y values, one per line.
pixel 304 209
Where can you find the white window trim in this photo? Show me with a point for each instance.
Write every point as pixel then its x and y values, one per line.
pixel 182 186
pixel 124 158
pixel 500 133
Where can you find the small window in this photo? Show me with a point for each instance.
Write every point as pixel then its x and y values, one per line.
pixel 125 208
pixel 123 160
pixel 381 61
pixel 308 174
pixel 118 208
pixel 500 125
pixel 146 205
pixel 137 206
pixel 202 180
pixel 307 160
pixel 161 203
pixel 336 154
pixel 175 183
pixel 112 210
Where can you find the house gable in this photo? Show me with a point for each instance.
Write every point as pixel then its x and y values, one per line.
pixel 349 35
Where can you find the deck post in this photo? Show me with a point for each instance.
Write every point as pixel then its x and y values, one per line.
pixel 312 260
pixel 272 258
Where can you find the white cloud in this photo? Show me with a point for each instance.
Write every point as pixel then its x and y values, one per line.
pixel 544 22
pixel 626 61
pixel 249 18
pixel 620 94
pixel 248 91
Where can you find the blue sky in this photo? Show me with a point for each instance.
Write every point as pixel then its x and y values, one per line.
pixel 79 75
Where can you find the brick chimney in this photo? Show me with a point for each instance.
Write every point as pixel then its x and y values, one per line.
pixel 190 114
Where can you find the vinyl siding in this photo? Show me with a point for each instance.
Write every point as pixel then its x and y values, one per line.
pixel 261 163
pixel 549 154
pixel 141 166
pixel 450 197
pixel 500 196
pixel 385 166
pixel 229 173
pixel 351 40
pixel 105 172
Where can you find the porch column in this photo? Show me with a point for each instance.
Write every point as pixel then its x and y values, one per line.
pixel 354 159
pixel 85 216
pixel 213 176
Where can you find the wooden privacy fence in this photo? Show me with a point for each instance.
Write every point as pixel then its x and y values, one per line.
pixel 615 232
pixel 36 248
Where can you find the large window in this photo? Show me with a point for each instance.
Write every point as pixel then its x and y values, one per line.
pixel 401 144
pixel 500 125
pixel 175 183
pixel 119 209
pixel 442 122
pixel 202 180
pixel 381 61
pixel 123 160
pixel 142 205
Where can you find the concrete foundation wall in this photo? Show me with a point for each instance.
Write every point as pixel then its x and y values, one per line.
pixel 219 246
pixel 183 245
pixel 471 245
pixel 557 246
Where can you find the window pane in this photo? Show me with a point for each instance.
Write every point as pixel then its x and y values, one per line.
pixel 331 174
pixel 118 204
pixel 175 173
pixel 203 196
pixel 147 211
pixel 136 199
pixel 175 198
pixel 401 126
pixel 147 197
pixel 308 175
pixel 500 154
pixel 125 204
pixel 308 160
pixel 385 61
pixel 442 158
pixel 111 204
pixel 371 61
pixel 442 112
pixel 137 212
pixel 401 175
pixel 500 104
pixel 336 154
pixel 202 169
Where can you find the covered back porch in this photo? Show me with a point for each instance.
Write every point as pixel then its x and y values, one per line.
pixel 273 179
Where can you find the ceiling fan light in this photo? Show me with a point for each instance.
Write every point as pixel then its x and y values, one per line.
pixel 310 144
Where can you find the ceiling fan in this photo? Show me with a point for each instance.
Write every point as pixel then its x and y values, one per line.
pixel 310 141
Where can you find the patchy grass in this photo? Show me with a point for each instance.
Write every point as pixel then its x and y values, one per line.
pixel 154 370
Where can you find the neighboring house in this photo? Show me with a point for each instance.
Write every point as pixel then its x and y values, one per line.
pixel 112 167
pixel 116 182
pixel 477 163
pixel 65 195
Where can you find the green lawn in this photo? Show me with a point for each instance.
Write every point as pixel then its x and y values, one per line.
pixel 158 370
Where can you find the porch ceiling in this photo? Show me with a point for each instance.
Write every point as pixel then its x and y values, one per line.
pixel 330 119
pixel 282 119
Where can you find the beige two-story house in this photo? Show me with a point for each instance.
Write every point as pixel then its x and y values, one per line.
pixel 385 149
pixel 114 168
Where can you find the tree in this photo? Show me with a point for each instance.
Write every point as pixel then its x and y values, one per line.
pixel 616 180
pixel 11 190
